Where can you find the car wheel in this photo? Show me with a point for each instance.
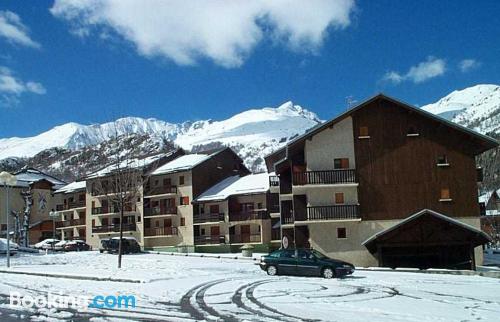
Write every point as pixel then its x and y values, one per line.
pixel 272 270
pixel 101 251
pixel 328 273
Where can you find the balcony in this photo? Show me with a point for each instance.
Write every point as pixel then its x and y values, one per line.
pixel 208 240
pixel 337 212
pixel 274 181
pixel 70 223
pixel 160 231
pixel 76 204
pixel 207 218
pixel 158 211
pixel 248 215
pixel 275 234
pixel 324 177
pixel 287 218
pixel 161 190
pixel 111 210
pixel 113 228
pixel 273 208
pixel 245 238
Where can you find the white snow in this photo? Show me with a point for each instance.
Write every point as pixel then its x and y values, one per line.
pixel 126 164
pixel 477 107
pixel 236 185
pixel 182 163
pixel 27 176
pixel 179 288
pixel 72 187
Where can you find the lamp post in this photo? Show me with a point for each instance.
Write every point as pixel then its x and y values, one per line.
pixel 53 215
pixel 8 180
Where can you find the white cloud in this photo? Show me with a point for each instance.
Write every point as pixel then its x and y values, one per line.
pixel 225 32
pixel 11 87
pixel 12 29
pixel 432 67
pixel 468 65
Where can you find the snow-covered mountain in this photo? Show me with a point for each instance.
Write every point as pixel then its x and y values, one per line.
pixel 476 107
pixel 252 134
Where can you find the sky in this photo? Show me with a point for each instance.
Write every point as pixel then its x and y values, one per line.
pixel 93 61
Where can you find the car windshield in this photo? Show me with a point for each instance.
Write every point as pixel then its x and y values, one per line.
pixel 318 254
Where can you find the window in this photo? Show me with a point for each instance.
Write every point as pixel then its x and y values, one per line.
pixel 138 199
pixel 363 132
pixel 156 182
pixel 81 197
pixel 339 197
pixel 138 218
pixel 442 160
pixel 157 223
pixel 259 206
pixel 167 182
pixel 445 195
pixel 93 222
pixel 181 180
pixel 183 221
pixel 184 201
pixel 342 163
pixel 341 233
pixel 214 209
pixel 246 207
pixel 412 131
pixel 202 231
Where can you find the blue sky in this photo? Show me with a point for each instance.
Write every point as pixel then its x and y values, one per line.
pixel 93 64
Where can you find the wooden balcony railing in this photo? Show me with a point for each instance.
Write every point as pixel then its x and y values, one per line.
pixel 111 210
pixel 274 181
pixel 245 238
pixel 156 211
pixel 161 190
pixel 76 204
pixel 203 218
pixel 206 240
pixel 71 222
pixel 248 215
pixel 336 212
pixel 160 231
pixel 113 228
pixel 324 177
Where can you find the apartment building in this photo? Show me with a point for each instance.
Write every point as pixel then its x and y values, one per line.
pixel 102 214
pixel 233 213
pixel 40 187
pixel 71 207
pixel 383 184
pixel 170 190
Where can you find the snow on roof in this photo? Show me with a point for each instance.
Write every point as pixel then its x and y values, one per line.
pixel 484 198
pixel 127 164
pixel 72 187
pixel 27 176
pixel 236 185
pixel 182 163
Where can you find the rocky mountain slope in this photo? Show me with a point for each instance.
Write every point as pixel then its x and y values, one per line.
pixel 252 134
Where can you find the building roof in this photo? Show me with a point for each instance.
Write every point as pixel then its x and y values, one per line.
pixel 488 141
pixel 27 176
pixel 236 185
pixel 137 163
pixel 422 213
pixel 72 187
pixel 186 162
pixel 485 197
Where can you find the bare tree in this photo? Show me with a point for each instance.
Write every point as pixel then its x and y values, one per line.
pixel 492 226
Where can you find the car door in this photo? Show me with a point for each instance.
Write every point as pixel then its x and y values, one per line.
pixel 307 264
pixel 287 262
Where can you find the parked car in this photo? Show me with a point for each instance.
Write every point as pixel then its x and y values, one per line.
pixel 46 243
pixel 129 245
pixel 76 245
pixel 3 247
pixel 304 262
pixel 60 245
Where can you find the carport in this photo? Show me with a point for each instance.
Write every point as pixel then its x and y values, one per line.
pixel 427 239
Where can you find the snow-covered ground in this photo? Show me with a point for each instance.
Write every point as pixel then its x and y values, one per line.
pixel 176 288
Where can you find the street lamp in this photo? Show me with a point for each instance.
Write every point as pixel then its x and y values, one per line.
pixel 53 215
pixel 8 180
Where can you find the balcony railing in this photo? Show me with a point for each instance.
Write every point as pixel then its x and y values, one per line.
pixel 274 181
pixel 287 218
pixel 245 238
pixel 203 218
pixel 71 222
pixel 156 211
pixel 76 204
pixel 248 215
pixel 324 177
pixel 273 208
pixel 160 231
pixel 111 210
pixel 275 234
pixel 113 228
pixel 161 190
pixel 336 212
pixel 206 240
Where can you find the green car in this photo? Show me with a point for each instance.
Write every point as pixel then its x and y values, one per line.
pixel 304 262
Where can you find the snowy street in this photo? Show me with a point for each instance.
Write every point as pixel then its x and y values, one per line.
pixel 175 288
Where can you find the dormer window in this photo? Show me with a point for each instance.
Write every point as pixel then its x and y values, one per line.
pixel 412 131
pixel 363 132
pixel 442 161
